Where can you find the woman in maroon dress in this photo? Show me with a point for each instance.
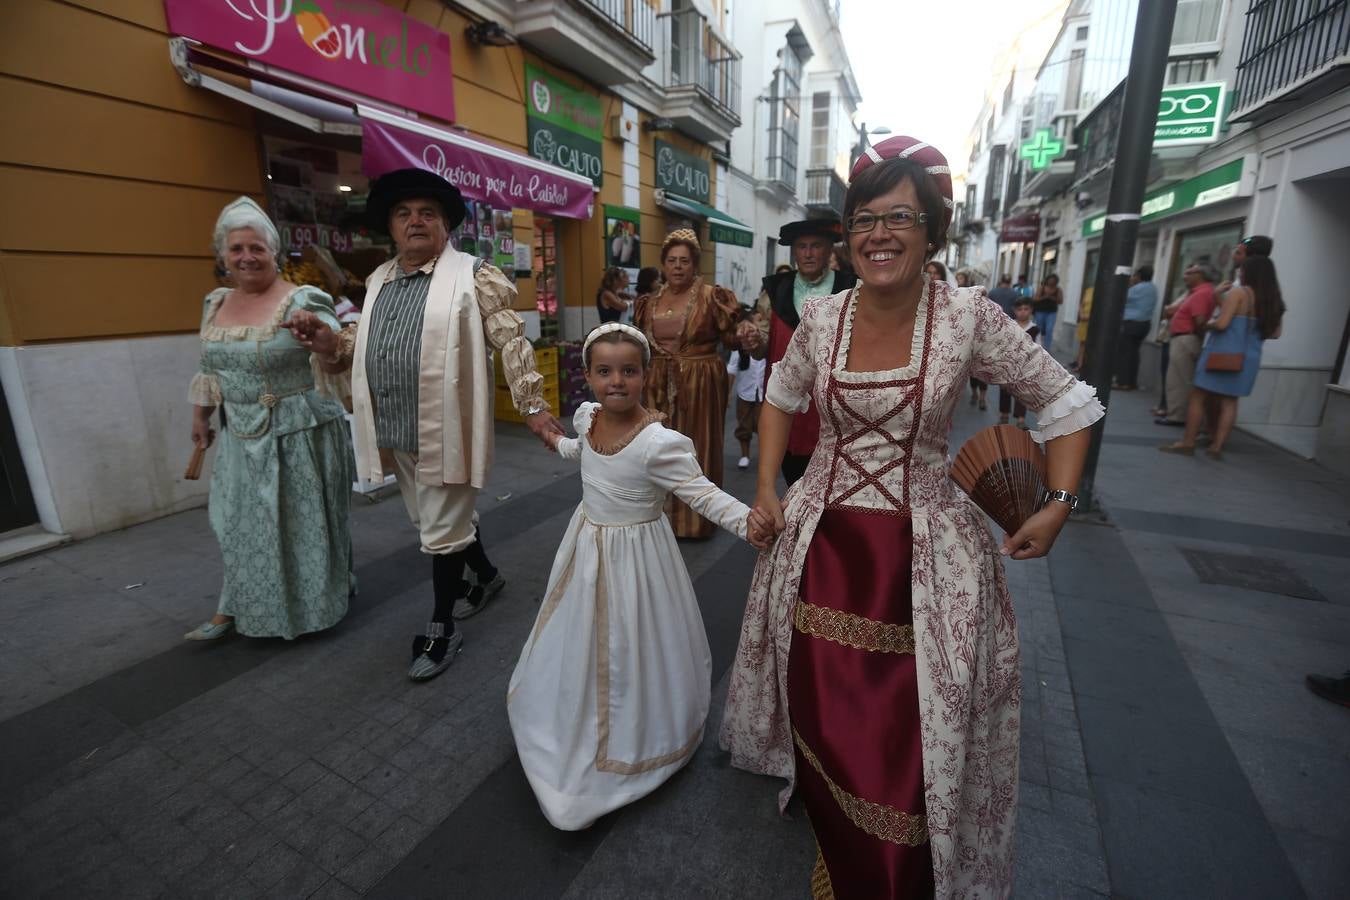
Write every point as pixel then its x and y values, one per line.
pixel 878 659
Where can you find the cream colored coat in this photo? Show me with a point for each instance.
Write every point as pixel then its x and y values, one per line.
pixel 454 406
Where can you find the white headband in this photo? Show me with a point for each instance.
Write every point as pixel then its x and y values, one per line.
pixel 610 328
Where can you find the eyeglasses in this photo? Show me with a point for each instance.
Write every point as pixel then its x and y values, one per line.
pixel 901 219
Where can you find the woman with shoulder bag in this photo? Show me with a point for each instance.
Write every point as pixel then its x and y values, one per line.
pixel 1250 315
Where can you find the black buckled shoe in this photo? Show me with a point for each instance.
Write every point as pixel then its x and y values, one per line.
pixel 478 597
pixel 433 652
pixel 1337 690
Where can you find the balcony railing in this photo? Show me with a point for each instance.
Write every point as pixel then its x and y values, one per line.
pixel 696 56
pixel 825 191
pixel 634 17
pixel 1285 43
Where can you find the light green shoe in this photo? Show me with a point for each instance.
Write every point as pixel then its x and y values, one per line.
pixel 208 632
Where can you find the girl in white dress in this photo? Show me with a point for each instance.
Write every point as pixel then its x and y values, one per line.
pixel 611 691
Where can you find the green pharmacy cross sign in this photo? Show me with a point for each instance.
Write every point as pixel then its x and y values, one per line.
pixel 1043 149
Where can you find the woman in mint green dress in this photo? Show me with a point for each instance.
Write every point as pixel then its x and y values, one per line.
pixel 282 477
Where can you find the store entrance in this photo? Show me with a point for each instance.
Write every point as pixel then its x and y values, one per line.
pixel 16 499
pixel 546 276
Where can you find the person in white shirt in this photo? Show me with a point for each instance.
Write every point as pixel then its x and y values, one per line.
pixel 748 383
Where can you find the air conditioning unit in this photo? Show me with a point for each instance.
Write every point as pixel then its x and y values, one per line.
pixel 623 128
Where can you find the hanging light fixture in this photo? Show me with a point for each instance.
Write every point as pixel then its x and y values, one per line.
pixel 489 34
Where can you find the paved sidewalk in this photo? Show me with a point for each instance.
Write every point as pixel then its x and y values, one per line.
pixel 1169 747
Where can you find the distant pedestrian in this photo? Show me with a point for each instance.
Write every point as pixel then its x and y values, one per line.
pixel 607 300
pixel 1004 295
pixel 1251 314
pixel 1140 302
pixel 1046 306
pixel 1007 403
pixel 273 359
pixel 963 279
pixel 1253 245
pixel 1021 287
pixel 611 691
pixel 1188 316
pixel 936 270
pixel 649 277
pixel 747 375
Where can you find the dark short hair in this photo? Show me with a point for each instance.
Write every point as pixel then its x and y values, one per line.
pixel 1005 279
pixel 648 276
pixel 1022 301
pixel 942 270
pixel 885 177
pixel 1258 245
pixel 1145 273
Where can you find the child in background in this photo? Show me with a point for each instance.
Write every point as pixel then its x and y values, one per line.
pixel 1006 401
pixel 612 688
pixel 748 383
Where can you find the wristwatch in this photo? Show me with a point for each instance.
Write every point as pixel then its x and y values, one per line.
pixel 1062 497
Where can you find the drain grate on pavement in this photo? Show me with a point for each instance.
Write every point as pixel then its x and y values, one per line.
pixel 1249 572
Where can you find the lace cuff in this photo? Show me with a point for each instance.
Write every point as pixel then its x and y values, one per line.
pixel 337 385
pixel 1077 409
pixel 204 390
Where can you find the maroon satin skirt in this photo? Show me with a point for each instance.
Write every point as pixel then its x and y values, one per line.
pixel 854 704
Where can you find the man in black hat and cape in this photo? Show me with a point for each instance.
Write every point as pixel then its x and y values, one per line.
pixel 779 309
pixel 422 390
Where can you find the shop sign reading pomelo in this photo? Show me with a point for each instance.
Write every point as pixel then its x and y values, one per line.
pixel 359 45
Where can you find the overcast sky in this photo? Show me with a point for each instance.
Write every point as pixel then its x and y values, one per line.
pixel 923 67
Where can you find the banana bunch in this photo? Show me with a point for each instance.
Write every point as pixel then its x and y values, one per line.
pixel 302 272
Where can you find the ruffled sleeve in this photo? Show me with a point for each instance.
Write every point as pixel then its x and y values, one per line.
pixel 505 332
pixel 1006 355
pixel 793 376
pixel 204 389
pixel 672 466
pixel 726 312
pixel 337 385
pixel 570 448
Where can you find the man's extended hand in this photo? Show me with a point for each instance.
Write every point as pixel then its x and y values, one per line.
pixel 312 332
pixel 749 335
pixel 543 424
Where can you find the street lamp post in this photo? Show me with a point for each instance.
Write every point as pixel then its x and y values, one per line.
pixel 1134 145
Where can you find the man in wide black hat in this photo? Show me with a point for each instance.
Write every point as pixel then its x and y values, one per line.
pixel 779 309
pixel 422 390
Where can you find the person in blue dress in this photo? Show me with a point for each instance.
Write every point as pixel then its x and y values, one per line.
pixel 281 480
pixel 1250 315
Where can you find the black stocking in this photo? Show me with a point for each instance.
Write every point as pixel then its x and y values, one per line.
pixel 447 581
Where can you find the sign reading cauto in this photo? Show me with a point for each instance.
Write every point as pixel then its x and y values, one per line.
pixel 682 173
pixel 1189 114
pixel 359 45
pixel 563 125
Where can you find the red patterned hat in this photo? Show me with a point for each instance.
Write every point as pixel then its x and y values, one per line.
pixel 905 147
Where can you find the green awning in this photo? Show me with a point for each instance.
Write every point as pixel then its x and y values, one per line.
pixel 722 228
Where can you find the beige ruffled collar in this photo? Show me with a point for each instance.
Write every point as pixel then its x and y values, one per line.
pixel 611 449
pixel 264 332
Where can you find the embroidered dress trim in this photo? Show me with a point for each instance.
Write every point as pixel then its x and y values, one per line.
pixel 264 332
pixel 611 449
pixel 852 630
pixel 821 887
pixel 877 819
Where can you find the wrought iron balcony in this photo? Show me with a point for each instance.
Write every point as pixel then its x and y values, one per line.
pixel 1292 55
pixel 633 17
pixel 702 77
pixel 825 191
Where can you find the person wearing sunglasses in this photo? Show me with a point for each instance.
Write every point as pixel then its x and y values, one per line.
pixel 877 668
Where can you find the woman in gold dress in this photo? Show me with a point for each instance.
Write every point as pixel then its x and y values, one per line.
pixel 684 320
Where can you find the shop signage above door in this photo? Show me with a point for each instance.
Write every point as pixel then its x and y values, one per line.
pixel 1021 229
pixel 683 173
pixel 1189 114
pixel 364 47
pixel 1213 186
pixel 563 125
pixel 480 171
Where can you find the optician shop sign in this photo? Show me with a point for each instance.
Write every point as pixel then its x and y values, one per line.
pixel 563 125
pixel 683 173
pixel 360 45
pixel 1213 186
pixel 1189 114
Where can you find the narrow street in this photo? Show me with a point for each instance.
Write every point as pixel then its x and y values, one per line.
pixel 1169 745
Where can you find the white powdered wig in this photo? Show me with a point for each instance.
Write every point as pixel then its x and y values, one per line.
pixel 244 213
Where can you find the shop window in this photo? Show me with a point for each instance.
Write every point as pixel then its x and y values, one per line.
pixel 1211 247
pixel 546 275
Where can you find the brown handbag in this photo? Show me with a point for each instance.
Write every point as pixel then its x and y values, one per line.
pixel 1225 362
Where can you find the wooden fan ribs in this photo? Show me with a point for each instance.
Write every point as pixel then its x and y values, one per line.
pixel 1003 470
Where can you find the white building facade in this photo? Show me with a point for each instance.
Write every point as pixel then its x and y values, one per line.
pixel 790 157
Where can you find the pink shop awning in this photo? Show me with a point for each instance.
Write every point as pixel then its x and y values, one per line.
pixel 481 171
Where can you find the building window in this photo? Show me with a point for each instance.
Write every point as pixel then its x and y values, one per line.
pixel 1190 70
pixel 989 129
pixel 1197 22
pixel 820 130
pixel 1073 83
pixel 785 117
pixel 972 193
pixel 1014 186
pixel 1025 133
pixel 1081 34
pixel 1007 96
pixel 993 186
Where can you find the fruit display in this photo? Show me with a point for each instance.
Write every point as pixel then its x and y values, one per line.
pixel 300 271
